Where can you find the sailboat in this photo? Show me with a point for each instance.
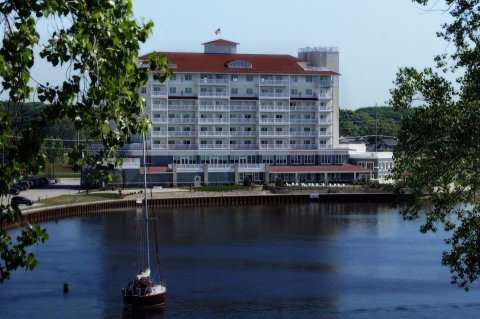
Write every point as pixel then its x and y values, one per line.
pixel 143 291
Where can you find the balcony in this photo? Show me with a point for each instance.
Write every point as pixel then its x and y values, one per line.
pixel 190 120
pixel 159 107
pixel 243 146
pixel 274 146
pixel 240 108
pixel 304 108
pixel 159 120
pixel 303 133
pixel 214 81
pixel 304 146
pixel 159 133
pixel 271 95
pixel 213 146
pixel 214 95
pixel 274 121
pixel 224 108
pixel 182 146
pixel 325 108
pixel 274 108
pixel 159 93
pixel 234 120
pixel 324 83
pixel 212 120
pixel 327 133
pixel 214 133
pixel 265 82
pixel 182 133
pixel 159 146
pixel 325 146
pixel 180 107
pixel 324 96
pixel 324 121
pixel 303 121
pixel 274 134
pixel 253 167
pixel 243 133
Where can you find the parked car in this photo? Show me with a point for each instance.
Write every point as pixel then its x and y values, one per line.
pixel 14 191
pixel 20 200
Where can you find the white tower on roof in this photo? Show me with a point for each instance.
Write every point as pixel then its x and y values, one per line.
pixel 220 46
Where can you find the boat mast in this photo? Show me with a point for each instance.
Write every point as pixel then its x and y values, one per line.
pixel 145 198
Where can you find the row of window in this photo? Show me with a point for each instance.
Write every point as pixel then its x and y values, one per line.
pixel 251 77
pixel 234 129
pixel 262 159
pixel 245 142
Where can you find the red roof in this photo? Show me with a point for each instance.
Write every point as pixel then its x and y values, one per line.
pixel 221 42
pixel 154 169
pixel 344 168
pixel 217 63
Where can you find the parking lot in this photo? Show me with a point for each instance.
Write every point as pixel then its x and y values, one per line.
pixel 65 186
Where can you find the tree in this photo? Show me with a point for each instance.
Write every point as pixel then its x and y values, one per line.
pixel 440 141
pixel 95 44
pixel 52 150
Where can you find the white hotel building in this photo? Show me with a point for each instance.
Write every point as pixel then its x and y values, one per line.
pixel 224 116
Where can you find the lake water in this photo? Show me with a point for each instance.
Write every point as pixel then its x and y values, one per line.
pixel 332 260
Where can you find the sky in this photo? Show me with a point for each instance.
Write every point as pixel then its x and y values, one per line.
pixel 375 37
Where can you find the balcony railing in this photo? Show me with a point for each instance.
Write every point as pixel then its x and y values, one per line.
pixel 160 93
pixel 234 120
pixel 182 146
pixel 274 134
pixel 243 146
pixel 234 108
pixel 214 108
pixel 159 133
pixel 252 166
pixel 297 108
pixel 324 108
pixel 274 146
pixel 274 121
pixel 159 120
pixel 243 133
pixel 274 95
pixel 324 121
pixel 324 95
pixel 213 146
pixel 274 108
pixel 303 121
pixel 182 133
pixel 183 121
pixel 323 146
pixel 214 94
pixel 214 81
pixel 214 133
pixel 211 120
pixel 304 146
pixel 159 107
pixel 303 133
pixel 327 133
pixel 180 107
pixel 159 146
pixel 324 83
pixel 275 82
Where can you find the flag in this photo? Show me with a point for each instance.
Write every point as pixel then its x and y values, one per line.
pixel 217 31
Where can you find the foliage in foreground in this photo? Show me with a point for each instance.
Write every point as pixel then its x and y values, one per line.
pixel 95 45
pixel 440 141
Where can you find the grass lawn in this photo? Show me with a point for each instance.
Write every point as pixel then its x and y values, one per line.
pixel 77 198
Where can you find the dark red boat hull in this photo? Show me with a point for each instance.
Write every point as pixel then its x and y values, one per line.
pixel 148 301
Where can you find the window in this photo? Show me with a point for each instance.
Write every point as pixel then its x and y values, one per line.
pixel 171 129
pixel 267 159
pixel 247 142
pixel 281 159
pixel 248 116
pixel 186 142
pixel 306 129
pixel 233 142
pixel 278 116
pixel 278 129
pixel 309 159
pixel 296 159
pixel 143 90
pixel 188 77
pixel 218 90
pixel 264 129
pixel 188 90
pixel 171 142
pixel 234 91
pixel 293 142
pixel 218 142
pixel 294 92
pixel 240 64
pixel 264 142
pixel 234 78
pixel 203 142
pixel 249 78
pixel 203 129
pixel 279 142
pixel 249 91
pixel 308 78
pixel 294 78
pixel 306 142
pixel 173 77
pixel 218 129
pixel 233 129
pixel 186 129
pixel 171 116
pixel 309 92
pixel 172 90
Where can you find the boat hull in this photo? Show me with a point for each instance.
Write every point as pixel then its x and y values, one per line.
pixel 145 301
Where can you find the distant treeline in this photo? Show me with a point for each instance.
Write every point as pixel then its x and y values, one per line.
pixel 381 120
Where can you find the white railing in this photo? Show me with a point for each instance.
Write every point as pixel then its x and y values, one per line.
pixel 273 146
pixel 234 107
pixel 274 133
pixel 180 107
pixel 274 95
pixel 285 108
pixel 214 94
pixel 156 107
pixel 303 108
pixel 303 121
pixel 214 133
pixel 221 166
pixel 234 120
pixel 159 146
pixel 303 133
pixel 327 133
pixel 323 146
pixel 274 121
pixel 213 146
pixel 243 133
pixel 182 133
pixel 214 81
pixel 274 82
pixel 157 120
pixel 182 146
pixel 159 93
pixel 159 133
pixel 304 146
pixel 213 108
pixel 183 121
pixel 324 83
pixel 252 166
pixel 186 166
pixel 324 121
pixel 243 146
pixel 324 108
pixel 324 95
pixel 213 120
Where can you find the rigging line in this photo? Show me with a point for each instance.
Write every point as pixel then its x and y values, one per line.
pixel 156 249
